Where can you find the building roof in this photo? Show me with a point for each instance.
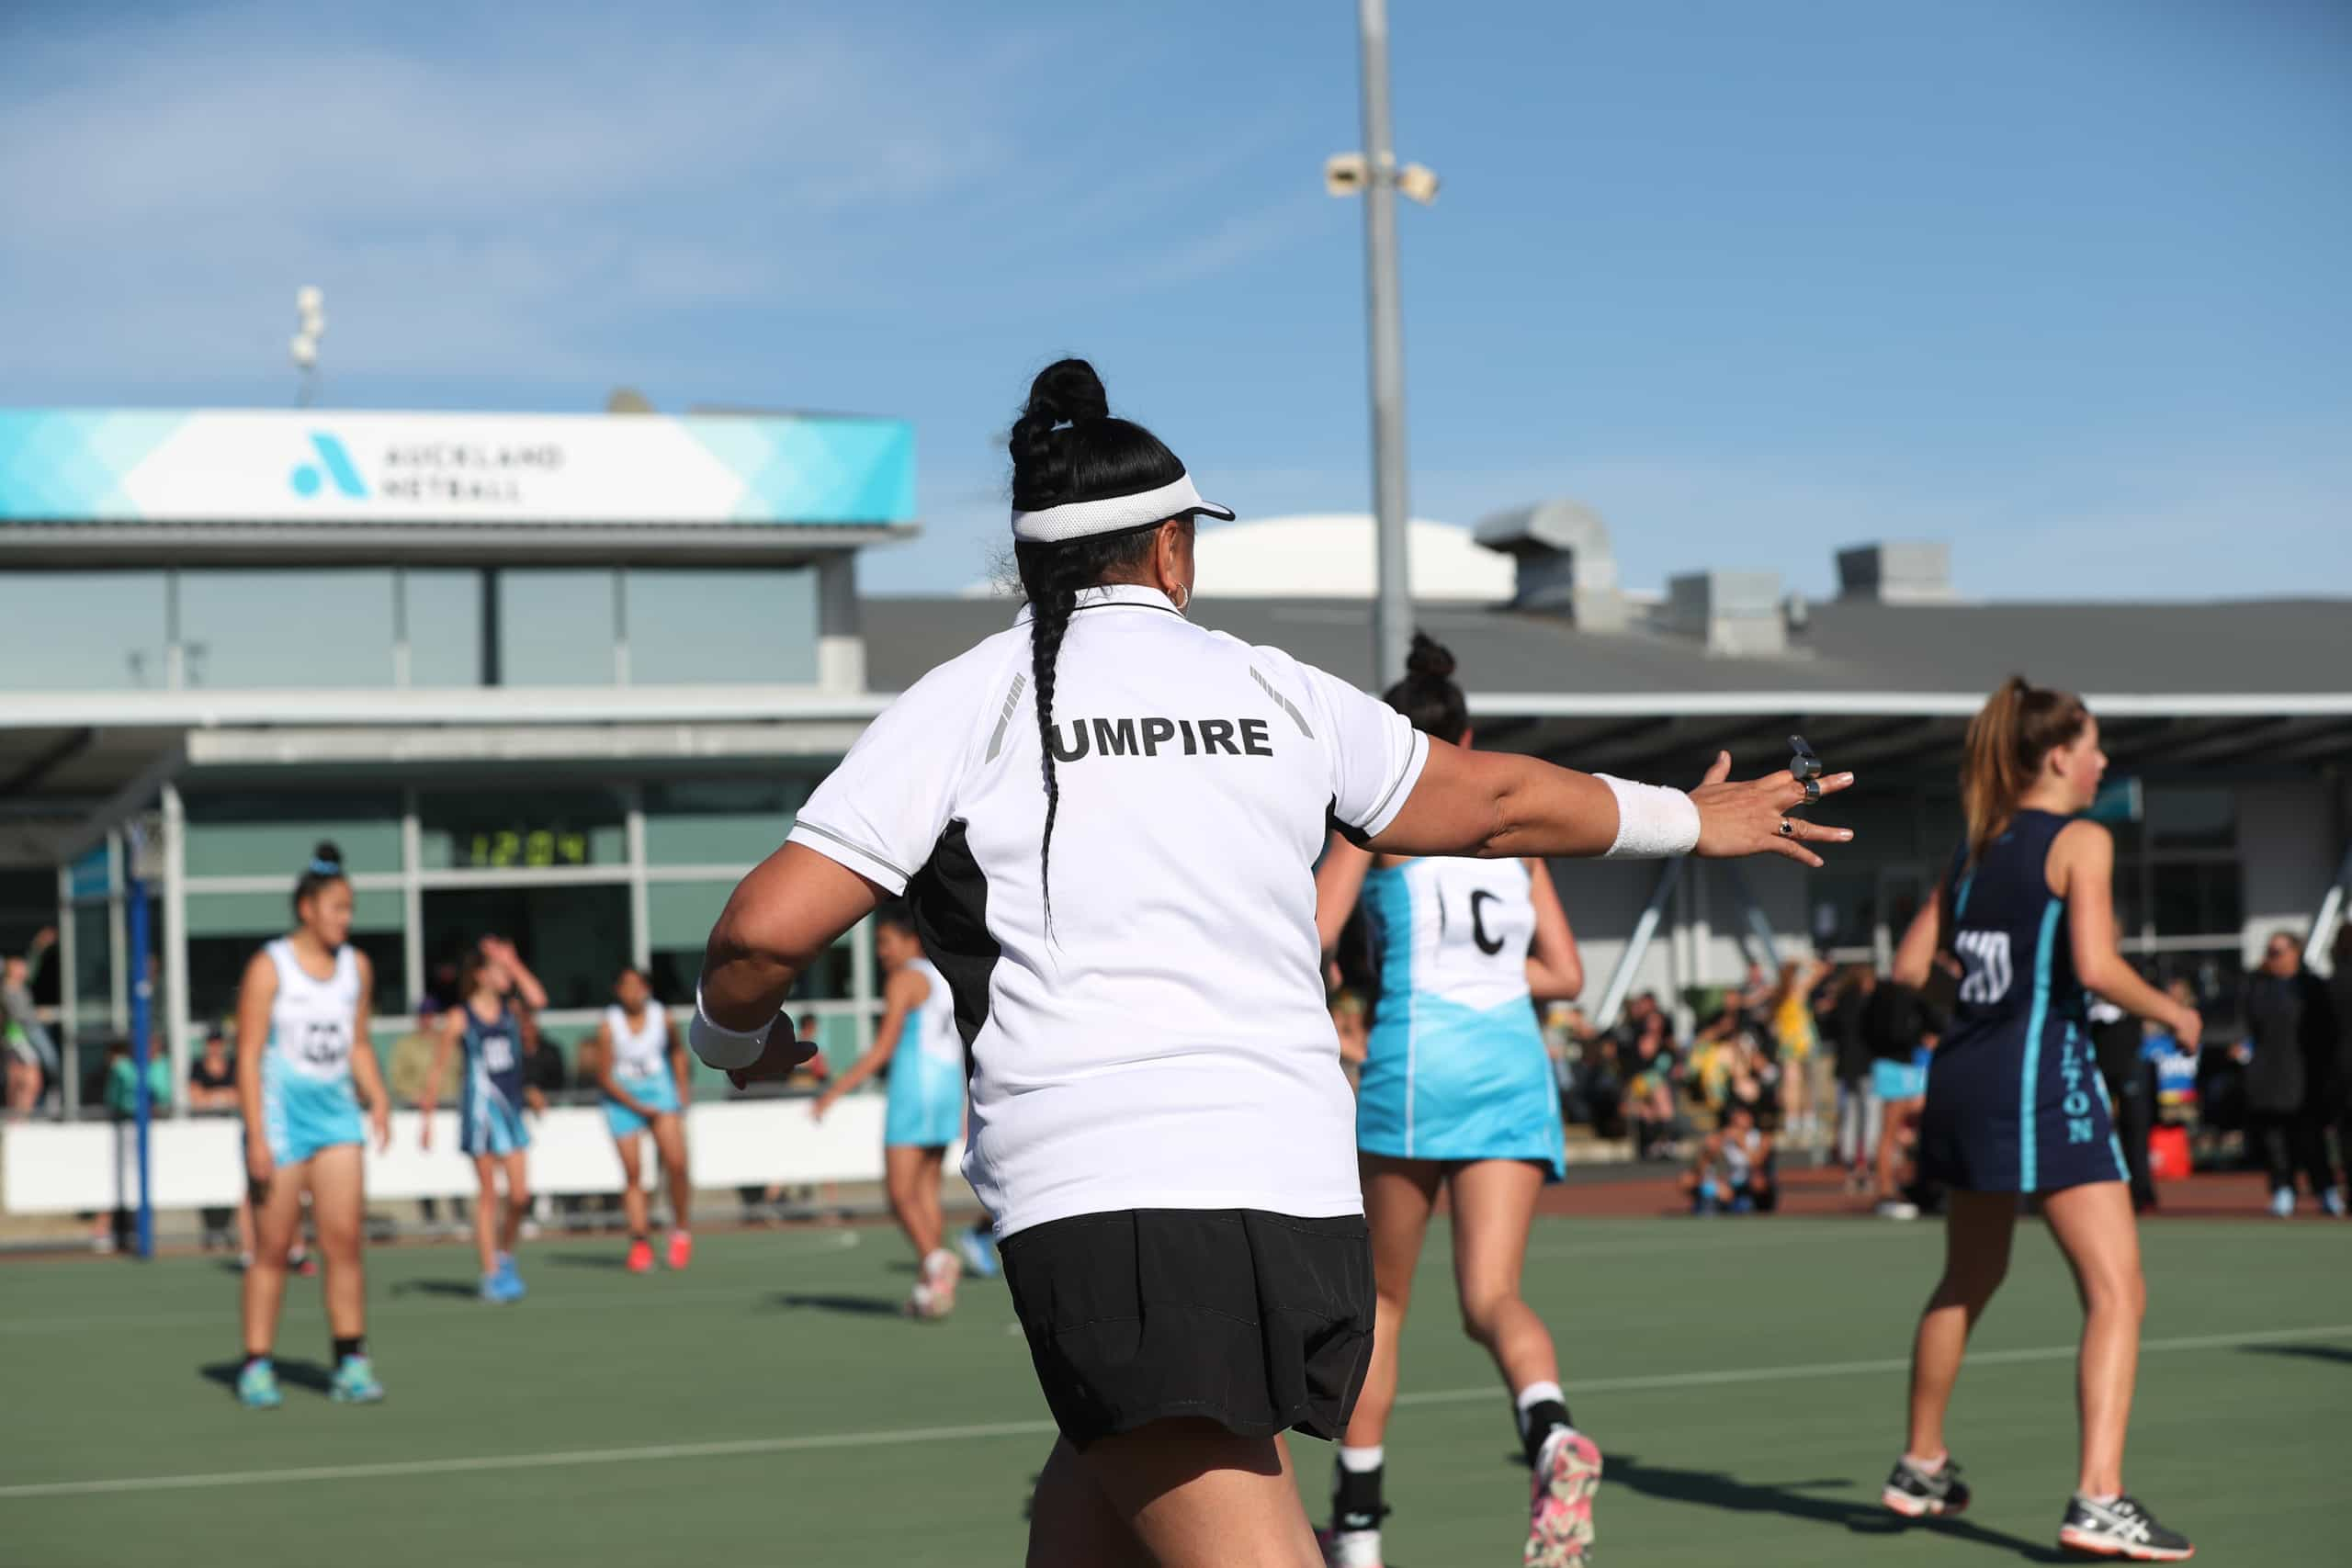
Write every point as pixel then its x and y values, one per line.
pixel 2282 645
pixel 2236 683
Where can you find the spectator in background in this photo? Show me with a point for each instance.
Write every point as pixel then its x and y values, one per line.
pixel 31 1053
pixel 1795 1040
pixel 212 1076
pixel 212 1091
pixel 2339 998
pixel 2290 1059
pixel 1734 1170
pixel 1900 1031
pixel 543 1065
pixel 1849 1046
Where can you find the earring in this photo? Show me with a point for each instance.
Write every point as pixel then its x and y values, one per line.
pixel 1187 598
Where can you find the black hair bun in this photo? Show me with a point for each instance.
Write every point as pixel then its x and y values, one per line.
pixel 1067 391
pixel 1429 660
pixel 326 853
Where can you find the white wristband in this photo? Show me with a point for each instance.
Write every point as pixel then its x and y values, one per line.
pixel 1653 821
pixel 729 1050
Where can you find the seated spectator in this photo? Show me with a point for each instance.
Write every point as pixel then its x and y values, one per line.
pixel 122 1080
pixel 212 1077
pixel 543 1067
pixel 1734 1171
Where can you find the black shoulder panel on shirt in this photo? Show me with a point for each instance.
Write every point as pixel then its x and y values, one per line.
pixel 949 898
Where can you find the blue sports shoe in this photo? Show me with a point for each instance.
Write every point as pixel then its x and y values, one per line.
pixel 355 1383
pixel 978 1247
pixel 510 1278
pixel 257 1385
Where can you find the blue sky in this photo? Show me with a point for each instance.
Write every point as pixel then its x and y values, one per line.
pixel 2063 283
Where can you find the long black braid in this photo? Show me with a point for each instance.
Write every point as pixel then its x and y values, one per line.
pixel 1066 447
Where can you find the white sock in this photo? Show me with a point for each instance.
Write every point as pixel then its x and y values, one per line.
pixel 2101 1498
pixel 1358 1460
pixel 1925 1466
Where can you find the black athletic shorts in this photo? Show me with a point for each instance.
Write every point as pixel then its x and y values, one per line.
pixel 1259 1322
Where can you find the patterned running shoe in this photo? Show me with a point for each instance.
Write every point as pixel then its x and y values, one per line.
pixel 1916 1494
pixel 355 1383
pixel 1349 1549
pixel 257 1385
pixel 1559 1528
pixel 510 1278
pixel 2121 1529
pixel 682 1249
pixel 941 1271
pixel 640 1257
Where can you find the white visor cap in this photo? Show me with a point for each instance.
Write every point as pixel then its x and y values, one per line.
pixel 1114 513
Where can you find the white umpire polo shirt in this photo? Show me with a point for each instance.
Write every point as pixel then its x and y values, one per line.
pixel 1167 1047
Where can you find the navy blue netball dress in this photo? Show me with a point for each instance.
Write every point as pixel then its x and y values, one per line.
pixel 2015 1102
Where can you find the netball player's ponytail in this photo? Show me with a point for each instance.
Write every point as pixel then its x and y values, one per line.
pixel 1066 447
pixel 1427 695
pixel 2018 726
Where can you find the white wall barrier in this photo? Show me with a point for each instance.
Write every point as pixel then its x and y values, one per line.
pixel 82 1166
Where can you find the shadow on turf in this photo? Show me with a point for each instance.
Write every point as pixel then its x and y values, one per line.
pixel 1801 1500
pixel 854 1306
pixel 2340 1355
pixel 294 1374
pixel 465 1290
pixel 609 1261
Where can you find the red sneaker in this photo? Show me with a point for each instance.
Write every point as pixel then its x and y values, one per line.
pixel 640 1257
pixel 682 1249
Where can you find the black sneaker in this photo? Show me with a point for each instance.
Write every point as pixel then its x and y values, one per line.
pixel 1917 1495
pixel 2121 1529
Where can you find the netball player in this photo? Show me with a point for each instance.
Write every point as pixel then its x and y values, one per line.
pixel 1457 1094
pixel 2015 1105
pixel 641 1067
pixel 304 1065
pixel 919 1044
pixel 1105 820
pixel 486 1029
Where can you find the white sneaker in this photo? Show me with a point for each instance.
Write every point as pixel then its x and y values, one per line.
pixel 2282 1203
pixel 1897 1209
pixel 2333 1201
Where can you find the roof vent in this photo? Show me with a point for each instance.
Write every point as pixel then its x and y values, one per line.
pixel 1565 565
pixel 1736 613
pixel 1898 571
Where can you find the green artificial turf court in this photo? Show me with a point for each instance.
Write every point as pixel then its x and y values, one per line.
pixel 770 1407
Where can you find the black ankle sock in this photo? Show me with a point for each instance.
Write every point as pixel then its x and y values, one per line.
pixel 1539 1421
pixel 355 1345
pixel 1355 1499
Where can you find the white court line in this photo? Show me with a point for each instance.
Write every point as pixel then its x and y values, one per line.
pixel 399 1302
pixel 891 1437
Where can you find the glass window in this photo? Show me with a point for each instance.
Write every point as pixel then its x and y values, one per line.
pixel 283 627
pixel 555 628
pixel 719 821
pixel 271 834
pixel 2198 898
pixel 2192 819
pixel 92 969
pixel 225 928
pixel 678 918
pixel 576 939
pixel 691 627
pixel 442 620
pixel 82 631
pixel 503 829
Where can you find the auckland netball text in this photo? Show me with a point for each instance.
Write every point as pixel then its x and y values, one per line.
pixel 1149 736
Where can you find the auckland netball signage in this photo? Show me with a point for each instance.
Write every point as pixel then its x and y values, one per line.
pixel 307 465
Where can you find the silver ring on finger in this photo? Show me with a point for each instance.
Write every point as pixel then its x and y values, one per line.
pixel 1788 829
pixel 1812 792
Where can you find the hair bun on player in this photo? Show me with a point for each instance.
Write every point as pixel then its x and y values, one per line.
pixel 326 860
pixel 1429 660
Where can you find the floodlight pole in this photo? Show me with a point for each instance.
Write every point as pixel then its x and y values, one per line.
pixel 1392 611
